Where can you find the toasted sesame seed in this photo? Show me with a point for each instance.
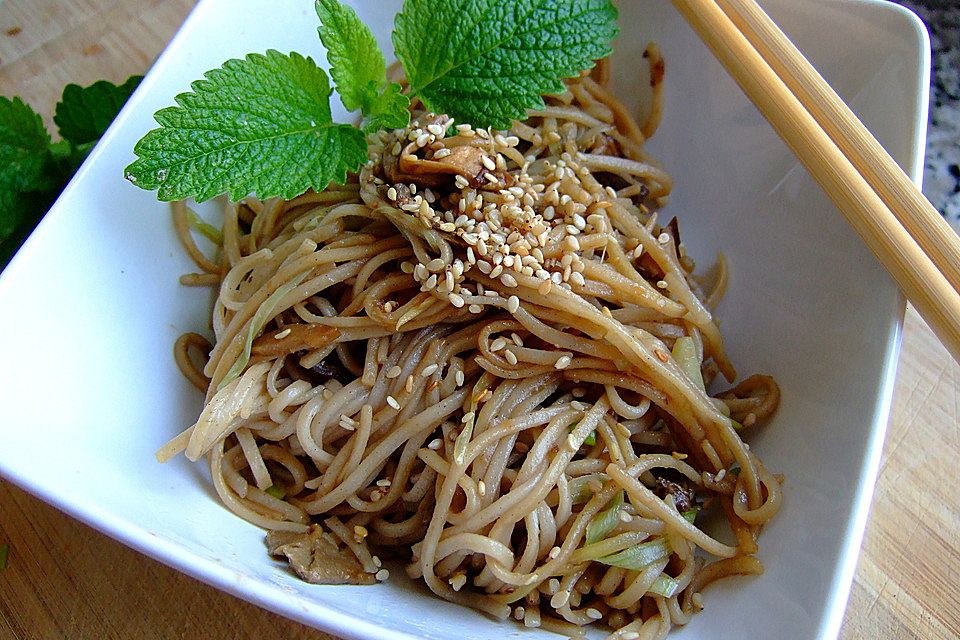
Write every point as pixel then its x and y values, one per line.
pixel 435 444
pixel 488 163
pixel 508 280
pixel 377 562
pixel 663 238
pixel 482 488
pixel 513 302
pixel 720 475
pixel 393 403
pixel 461 182
pixel 498 344
pixel 429 370
pixel 662 284
pixel 459 377
pixel 456 300
pixel 393 372
pixel 562 362
pixel 360 532
pixel 593 614
pixel 383 482
pixel 408 385
pixel 382 575
pixel 577 278
pixel 545 287
pixel 509 355
pixel 554 552
pixel 572 442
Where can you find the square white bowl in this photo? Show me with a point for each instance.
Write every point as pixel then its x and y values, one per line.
pixel 89 390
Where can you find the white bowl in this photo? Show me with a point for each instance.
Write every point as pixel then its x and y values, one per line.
pixel 89 390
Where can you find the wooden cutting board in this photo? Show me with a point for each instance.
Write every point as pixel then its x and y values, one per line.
pixel 64 580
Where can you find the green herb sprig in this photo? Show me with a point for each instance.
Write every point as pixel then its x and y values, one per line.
pixel 263 124
pixel 33 168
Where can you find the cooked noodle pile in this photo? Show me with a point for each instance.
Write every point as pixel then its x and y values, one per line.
pixel 484 356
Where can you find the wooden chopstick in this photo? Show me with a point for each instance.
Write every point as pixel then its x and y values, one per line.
pixel 922 282
pixel 884 175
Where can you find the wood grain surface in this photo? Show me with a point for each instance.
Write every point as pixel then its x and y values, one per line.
pixel 64 580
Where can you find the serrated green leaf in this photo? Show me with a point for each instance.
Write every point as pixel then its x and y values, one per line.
pixel 390 109
pixel 487 62
pixel 259 125
pixel 358 68
pixel 84 113
pixel 23 148
pixel 356 63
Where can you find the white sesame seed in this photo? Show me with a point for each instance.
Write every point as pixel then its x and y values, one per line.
pixel 662 284
pixel 509 355
pixel 577 278
pixel 554 552
pixel 489 177
pixel 456 300
pixel 436 264
pixel 663 238
pixel 482 488
pixel 572 442
pixel 383 482
pixel 508 280
pixel 562 362
pixel 393 372
pixel 431 282
pixel 393 403
pixel 429 370
pixel 594 614
pixel 474 308
pixel 392 193
pixel 545 287
pixel 283 334
pixel 448 227
pixel 441 153
pixel 459 377
pixel 435 129
pixel 435 444
pixel 382 575
pixel 461 182
pixel 498 344
pixel 377 562
pixel 488 163
pixel 513 302
pixel 720 475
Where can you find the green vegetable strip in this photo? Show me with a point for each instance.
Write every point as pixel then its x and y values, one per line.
pixel 605 521
pixel 275 491
pixel 208 231
pixel 664 586
pixel 260 318
pixel 685 353
pixel 639 556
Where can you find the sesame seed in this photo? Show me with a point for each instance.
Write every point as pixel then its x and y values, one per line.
pixel 482 488
pixel 459 377
pixel 508 280
pixel 436 264
pixel 513 302
pixel 572 442
pixel 663 238
pixel 474 308
pixel 488 163
pixel 461 182
pixel 456 300
pixel 360 532
pixel 393 403
pixel 572 243
pixel 509 355
pixel 554 552
pixel 594 614
pixel 517 340
pixel 382 575
pixel 662 284
pixel 435 444
pixel 442 153
pixel 545 287
pixel 489 177
pixel 498 344
pixel 633 635
pixel 448 227
pixel 408 385
pixel 393 372
pixel 383 482
pixel 577 278
pixel 720 475
pixel 431 282
pixel 429 370
pixel 435 129
pixel 377 562
pixel 392 193
pixel 562 362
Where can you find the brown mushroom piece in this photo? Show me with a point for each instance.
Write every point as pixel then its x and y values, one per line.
pixel 317 558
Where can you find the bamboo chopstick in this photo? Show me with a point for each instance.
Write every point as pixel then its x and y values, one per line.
pixel 918 277
pixel 884 175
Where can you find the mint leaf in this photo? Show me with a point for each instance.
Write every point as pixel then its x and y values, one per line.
pixel 84 113
pixel 390 109
pixel 358 68
pixel 258 125
pixel 486 61
pixel 23 147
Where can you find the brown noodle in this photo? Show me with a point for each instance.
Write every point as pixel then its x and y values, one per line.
pixel 467 358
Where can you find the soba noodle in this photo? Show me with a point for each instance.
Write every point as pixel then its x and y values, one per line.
pixel 485 355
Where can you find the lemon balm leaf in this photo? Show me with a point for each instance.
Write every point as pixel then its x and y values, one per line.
pixel 259 125
pixel 487 62
pixel 358 68
pixel 84 113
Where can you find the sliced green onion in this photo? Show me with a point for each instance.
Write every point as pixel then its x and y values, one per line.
pixel 736 425
pixel 4 552
pixel 664 586
pixel 685 353
pixel 209 231
pixel 260 318
pixel 691 514
pixel 275 491
pixel 605 521
pixel 639 556
pixel 590 440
